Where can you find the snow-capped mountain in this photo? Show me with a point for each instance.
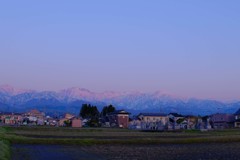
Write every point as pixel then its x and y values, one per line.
pixel 9 90
pixel 70 100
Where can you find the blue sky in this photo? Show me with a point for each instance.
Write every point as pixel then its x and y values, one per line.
pixel 186 48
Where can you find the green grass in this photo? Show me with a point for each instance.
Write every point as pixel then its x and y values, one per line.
pixel 108 136
pixel 72 136
pixel 99 137
pixel 4 150
pixel 4 145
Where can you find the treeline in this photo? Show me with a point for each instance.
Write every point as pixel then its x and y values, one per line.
pixel 92 114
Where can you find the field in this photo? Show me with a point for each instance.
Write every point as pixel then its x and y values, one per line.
pixel 106 143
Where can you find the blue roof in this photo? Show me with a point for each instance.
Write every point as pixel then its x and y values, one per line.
pixel 153 114
pixel 176 115
pixel 238 112
pixel 118 112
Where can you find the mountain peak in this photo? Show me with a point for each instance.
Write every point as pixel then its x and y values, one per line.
pixel 77 93
pixel 7 89
pixel 77 89
pixel 134 100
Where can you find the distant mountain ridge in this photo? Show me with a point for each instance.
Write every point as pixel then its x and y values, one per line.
pixel 70 100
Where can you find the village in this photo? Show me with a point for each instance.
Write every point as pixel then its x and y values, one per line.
pixel 123 119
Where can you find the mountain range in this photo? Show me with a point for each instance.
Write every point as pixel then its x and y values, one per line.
pixel 71 100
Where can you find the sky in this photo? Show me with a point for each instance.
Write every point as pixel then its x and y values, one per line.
pixel 186 48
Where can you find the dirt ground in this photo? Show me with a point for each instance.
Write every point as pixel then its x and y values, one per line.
pixel 200 151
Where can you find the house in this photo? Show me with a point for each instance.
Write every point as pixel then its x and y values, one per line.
pixel 62 122
pixel 3 116
pixel 153 121
pixel 33 119
pixel 11 118
pixel 85 121
pixel 77 122
pixel 206 122
pixel 40 122
pixel 50 121
pixel 104 121
pixel 177 121
pixel 134 123
pixel 67 120
pixel 203 123
pixel 192 121
pixel 237 119
pixel 33 116
pixel 69 116
pixel 119 118
pixel 222 120
pixel 1 121
pixel 35 113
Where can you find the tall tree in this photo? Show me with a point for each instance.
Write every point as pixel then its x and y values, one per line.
pixel 91 113
pixel 84 111
pixel 107 109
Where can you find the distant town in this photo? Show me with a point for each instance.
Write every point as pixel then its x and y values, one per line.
pixel 110 117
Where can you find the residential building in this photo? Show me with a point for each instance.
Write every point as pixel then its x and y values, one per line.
pixel 67 120
pixel 177 121
pixel 119 118
pixel 203 123
pixel 192 121
pixel 35 113
pixel 153 121
pixel 77 122
pixel 237 119
pixel 135 123
pixel 11 118
pixel 222 120
pixel 50 121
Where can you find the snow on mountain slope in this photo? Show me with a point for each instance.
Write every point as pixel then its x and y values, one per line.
pixel 9 90
pixel 73 98
pixel 75 93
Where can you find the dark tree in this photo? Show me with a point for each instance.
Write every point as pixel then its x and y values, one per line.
pixel 84 111
pixel 107 109
pixel 91 113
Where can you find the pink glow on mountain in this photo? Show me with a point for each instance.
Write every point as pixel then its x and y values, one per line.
pixel 160 93
pixel 76 93
pixel 13 91
pixel 109 95
pixel 82 93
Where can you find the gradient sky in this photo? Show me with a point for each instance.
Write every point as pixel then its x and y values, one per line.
pixel 186 48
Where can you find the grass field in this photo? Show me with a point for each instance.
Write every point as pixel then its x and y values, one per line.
pixel 4 146
pixel 103 140
pixel 43 135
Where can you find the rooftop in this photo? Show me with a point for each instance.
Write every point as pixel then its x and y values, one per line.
pixel 176 115
pixel 153 114
pixel 119 112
